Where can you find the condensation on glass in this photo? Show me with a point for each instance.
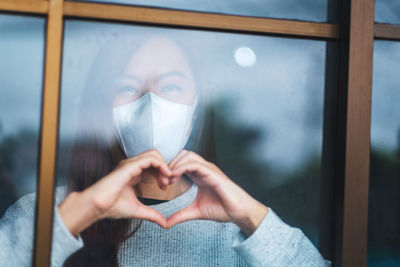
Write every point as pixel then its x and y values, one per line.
pixel 21 75
pixel 384 196
pixel 387 11
pixel 259 105
pixel 309 10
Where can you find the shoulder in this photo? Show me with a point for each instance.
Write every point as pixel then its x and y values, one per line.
pixel 26 205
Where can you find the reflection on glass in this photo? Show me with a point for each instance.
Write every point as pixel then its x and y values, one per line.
pixel 387 11
pixel 21 71
pixel 310 10
pixel 21 53
pixel 384 201
pixel 256 104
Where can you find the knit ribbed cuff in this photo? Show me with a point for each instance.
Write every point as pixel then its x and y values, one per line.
pixel 275 243
pixel 64 243
pixel 263 246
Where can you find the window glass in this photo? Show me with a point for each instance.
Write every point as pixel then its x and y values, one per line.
pixel 258 109
pixel 21 72
pixel 387 11
pixel 309 10
pixel 384 197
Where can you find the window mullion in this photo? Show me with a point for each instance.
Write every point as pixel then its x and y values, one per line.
pixel 358 125
pixel 48 137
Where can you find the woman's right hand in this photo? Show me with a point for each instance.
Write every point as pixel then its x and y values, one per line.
pixel 113 196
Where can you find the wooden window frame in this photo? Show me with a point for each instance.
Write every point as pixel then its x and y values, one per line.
pixel 347 109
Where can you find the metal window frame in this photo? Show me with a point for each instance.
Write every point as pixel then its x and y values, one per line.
pixel 347 111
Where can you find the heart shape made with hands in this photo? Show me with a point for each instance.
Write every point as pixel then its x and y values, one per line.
pixel 218 198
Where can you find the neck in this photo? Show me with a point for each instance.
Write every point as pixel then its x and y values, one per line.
pixel 150 189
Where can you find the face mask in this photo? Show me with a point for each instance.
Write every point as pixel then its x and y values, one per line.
pixel 153 122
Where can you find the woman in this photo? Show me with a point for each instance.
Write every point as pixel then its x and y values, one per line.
pixel 129 153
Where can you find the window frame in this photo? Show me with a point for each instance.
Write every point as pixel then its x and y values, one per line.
pixel 347 107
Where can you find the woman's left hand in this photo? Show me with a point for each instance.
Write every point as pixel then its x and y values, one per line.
pixel 218 198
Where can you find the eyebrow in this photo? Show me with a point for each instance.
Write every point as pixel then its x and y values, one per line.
pixel 128 76
pixel 170 73
pixel 159 77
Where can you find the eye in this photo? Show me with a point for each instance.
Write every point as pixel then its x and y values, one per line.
pixel 128 90
pixel 171 88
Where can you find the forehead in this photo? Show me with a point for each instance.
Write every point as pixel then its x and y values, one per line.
pixel 157 55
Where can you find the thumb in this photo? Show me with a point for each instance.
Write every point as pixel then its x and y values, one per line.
pixel 191 212
pixel 150 214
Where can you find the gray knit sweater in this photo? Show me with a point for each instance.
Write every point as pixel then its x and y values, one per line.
pixel 192 243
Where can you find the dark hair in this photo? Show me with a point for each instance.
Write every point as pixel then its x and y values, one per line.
pixel 96 152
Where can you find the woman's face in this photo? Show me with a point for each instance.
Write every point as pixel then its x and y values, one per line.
pixel 158 66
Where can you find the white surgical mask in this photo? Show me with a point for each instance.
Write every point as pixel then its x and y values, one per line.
pixel 153 122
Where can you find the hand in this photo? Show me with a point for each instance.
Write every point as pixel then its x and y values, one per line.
pixel 218 197
pixel 113 196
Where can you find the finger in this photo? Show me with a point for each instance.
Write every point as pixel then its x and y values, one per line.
pixel 189 167
pixel 150 152
pixel 161 185
pixel 153 172
pixel 189 156
pixel 154 156
pixel 157 154
pixel 162 181
pixel 153 161
pixel 150 214
pixel 191 212
pixel 184 157
pixel 177 158
pixel 174 179
pixel 199 172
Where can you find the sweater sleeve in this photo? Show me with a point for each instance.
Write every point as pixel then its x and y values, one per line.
pixel 275 243
pixel 17 232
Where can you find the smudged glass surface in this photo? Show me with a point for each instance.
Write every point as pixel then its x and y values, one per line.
pixel 309 10
pixel 384 196
pixel 21 71
pixel 387 11
pixel 259 116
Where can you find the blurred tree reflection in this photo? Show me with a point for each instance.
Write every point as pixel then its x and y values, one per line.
pixel 63 159
pixel 7 192
pixel 384 207
pixel 296 200
pixel 18 163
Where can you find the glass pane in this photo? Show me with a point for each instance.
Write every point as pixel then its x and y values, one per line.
pixel 21 72
pixel 257 103
pixel 309 10
pixel 387 11
pixel 384 201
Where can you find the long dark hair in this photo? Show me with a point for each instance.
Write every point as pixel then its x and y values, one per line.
pixel 96 152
